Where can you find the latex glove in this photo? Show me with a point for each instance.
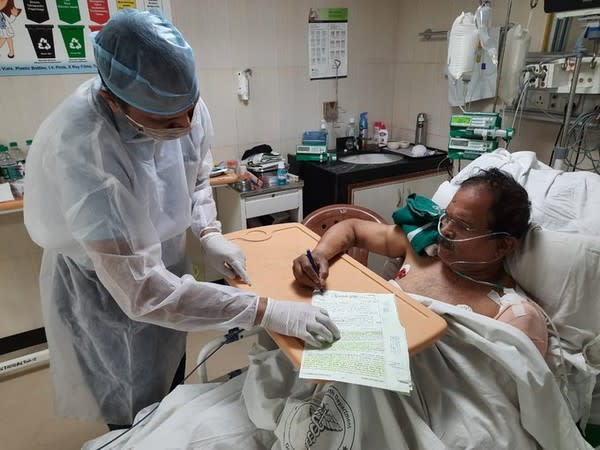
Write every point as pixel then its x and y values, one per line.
pixel 302 320
pixel 224 256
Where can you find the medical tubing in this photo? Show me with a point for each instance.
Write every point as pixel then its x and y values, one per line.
pixel 494 233
pixel 487 283
pixel 562 369
pixel 231 336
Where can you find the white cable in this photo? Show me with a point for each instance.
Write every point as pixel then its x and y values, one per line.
pixel 529 19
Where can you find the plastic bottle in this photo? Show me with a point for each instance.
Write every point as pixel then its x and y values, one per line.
pixel 382 139
pixel 324 130
pixel 376 128
pixel 8 166
pixel 16 153
pixel 351 129
pixel 28 143
pixel 363 125
pixel 281 173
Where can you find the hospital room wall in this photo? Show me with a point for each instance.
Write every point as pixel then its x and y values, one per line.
pixel 270 37
pixel 393 74
pixel 420 84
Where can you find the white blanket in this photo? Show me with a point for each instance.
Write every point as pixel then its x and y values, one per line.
pixel 482 386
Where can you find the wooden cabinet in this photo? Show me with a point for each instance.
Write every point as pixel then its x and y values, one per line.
pixel 385 196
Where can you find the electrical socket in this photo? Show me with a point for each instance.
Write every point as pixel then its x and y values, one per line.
pixel 330 111
pixel 558 103
pixel 537 99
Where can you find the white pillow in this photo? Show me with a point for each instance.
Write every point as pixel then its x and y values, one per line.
pixel 562 272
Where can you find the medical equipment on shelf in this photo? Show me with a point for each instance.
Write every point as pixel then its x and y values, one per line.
pixel 559 74
pixel 472 134
pixel 516 47
pixel 313 147
pixel 591 31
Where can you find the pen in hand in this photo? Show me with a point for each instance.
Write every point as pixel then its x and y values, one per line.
pixel 314 266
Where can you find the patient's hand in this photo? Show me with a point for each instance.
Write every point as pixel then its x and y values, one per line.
pixel 306 275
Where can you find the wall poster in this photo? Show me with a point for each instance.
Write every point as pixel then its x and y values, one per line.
pixel 328 43
pixel 41 37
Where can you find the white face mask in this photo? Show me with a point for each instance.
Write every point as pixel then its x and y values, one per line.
pixel 160 134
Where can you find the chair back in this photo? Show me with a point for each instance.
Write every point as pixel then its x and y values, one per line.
pixel 320 220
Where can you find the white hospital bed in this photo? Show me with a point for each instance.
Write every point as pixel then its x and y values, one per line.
pixel 559 265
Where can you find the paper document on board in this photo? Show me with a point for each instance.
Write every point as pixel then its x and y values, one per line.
pixel 372 350
pixel 5 193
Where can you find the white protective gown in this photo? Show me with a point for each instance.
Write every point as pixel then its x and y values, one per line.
pixel 111 207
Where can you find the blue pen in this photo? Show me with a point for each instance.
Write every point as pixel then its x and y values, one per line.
pixel 314 266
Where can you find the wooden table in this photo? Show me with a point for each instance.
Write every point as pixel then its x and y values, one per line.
pixel 227 178
pixel 270 251
pixel 11 206
pixel 221 180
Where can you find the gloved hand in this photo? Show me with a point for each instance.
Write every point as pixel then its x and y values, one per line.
pixel 224 256
pixel 302 320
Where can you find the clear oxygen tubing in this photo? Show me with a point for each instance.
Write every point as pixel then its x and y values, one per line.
pixel 447 240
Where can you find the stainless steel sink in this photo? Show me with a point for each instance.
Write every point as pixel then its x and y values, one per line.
pixel 371 158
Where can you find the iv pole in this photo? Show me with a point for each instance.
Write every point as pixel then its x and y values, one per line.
pixel 501 42
pixel 561 150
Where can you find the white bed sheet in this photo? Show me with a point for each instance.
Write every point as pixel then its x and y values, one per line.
pixel 484 385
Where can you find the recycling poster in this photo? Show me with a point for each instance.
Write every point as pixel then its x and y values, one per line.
pixel 40 37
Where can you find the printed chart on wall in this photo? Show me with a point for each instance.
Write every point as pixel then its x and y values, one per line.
pixel 40 37
pixel 328 43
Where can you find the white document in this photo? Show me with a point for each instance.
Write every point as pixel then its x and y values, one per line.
pixel 372 350
pixel 5 192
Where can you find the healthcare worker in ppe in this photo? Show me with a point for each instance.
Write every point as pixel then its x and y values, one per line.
pixel 117 174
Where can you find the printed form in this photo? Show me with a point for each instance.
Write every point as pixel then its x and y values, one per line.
pixel 372 350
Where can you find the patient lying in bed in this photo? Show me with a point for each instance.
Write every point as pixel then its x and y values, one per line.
pixel 480 228
pixel 483 385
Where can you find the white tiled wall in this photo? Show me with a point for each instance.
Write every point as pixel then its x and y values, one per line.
pixel 392 74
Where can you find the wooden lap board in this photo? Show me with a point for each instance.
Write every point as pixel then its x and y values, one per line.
pixel 270 251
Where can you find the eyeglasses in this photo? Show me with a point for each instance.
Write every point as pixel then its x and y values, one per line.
pixel 459 226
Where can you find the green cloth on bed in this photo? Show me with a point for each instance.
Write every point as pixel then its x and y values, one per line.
pixel 419 219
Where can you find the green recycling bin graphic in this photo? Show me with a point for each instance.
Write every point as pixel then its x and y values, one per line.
pixel 73 38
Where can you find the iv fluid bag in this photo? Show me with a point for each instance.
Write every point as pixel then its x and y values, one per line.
pixel 516 47
pixel 462 44
pixel 483 22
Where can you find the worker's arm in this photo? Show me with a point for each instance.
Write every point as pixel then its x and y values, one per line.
pixel 387 240
pixel 225 257
pixel 204 211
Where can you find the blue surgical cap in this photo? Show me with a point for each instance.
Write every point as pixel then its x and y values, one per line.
pixel 145 61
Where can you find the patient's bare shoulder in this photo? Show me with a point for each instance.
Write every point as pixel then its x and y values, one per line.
pixel 527 317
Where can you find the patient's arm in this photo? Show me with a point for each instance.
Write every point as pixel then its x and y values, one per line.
pixel 387 240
